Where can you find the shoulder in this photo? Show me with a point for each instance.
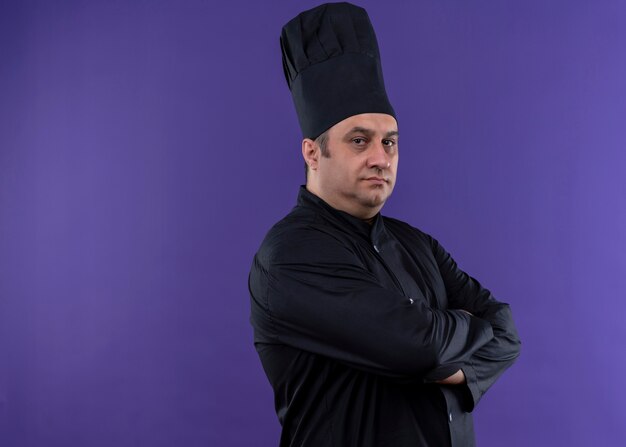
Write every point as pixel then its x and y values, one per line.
pixel 302 234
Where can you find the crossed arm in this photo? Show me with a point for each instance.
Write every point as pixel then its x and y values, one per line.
pixel 315 296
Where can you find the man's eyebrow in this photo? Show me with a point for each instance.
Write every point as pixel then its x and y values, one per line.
pixel 358 129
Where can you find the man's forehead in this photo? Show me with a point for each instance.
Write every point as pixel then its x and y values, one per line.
pixel 367 123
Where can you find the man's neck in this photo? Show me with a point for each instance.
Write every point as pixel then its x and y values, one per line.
pixel 369 219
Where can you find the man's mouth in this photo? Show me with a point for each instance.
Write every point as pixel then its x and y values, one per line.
pixel 375 179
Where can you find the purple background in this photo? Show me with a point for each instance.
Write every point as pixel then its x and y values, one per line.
pixel 146 147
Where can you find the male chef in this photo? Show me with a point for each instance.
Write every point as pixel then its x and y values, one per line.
pixel 369 333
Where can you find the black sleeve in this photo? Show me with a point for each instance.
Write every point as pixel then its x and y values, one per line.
pixel 485 365
pixel 311 292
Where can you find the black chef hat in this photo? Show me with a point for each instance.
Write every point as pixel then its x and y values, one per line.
pixel 332 65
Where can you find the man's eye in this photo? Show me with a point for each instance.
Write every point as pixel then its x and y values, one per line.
pixel 358 140
pixel 389 143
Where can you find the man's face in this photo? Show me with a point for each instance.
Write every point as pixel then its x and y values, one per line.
pixel 360 172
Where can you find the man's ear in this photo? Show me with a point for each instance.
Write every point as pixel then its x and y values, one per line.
pixel 310 153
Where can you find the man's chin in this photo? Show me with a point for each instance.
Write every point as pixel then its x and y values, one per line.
pixel 376 200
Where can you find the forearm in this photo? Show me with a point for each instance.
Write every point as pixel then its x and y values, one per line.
pixel 488 363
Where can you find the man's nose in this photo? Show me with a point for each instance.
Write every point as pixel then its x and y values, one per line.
pixel 379 158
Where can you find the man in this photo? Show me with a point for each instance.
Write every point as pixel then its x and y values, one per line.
pixel 369 333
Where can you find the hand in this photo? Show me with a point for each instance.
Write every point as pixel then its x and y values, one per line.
pixel 458 378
